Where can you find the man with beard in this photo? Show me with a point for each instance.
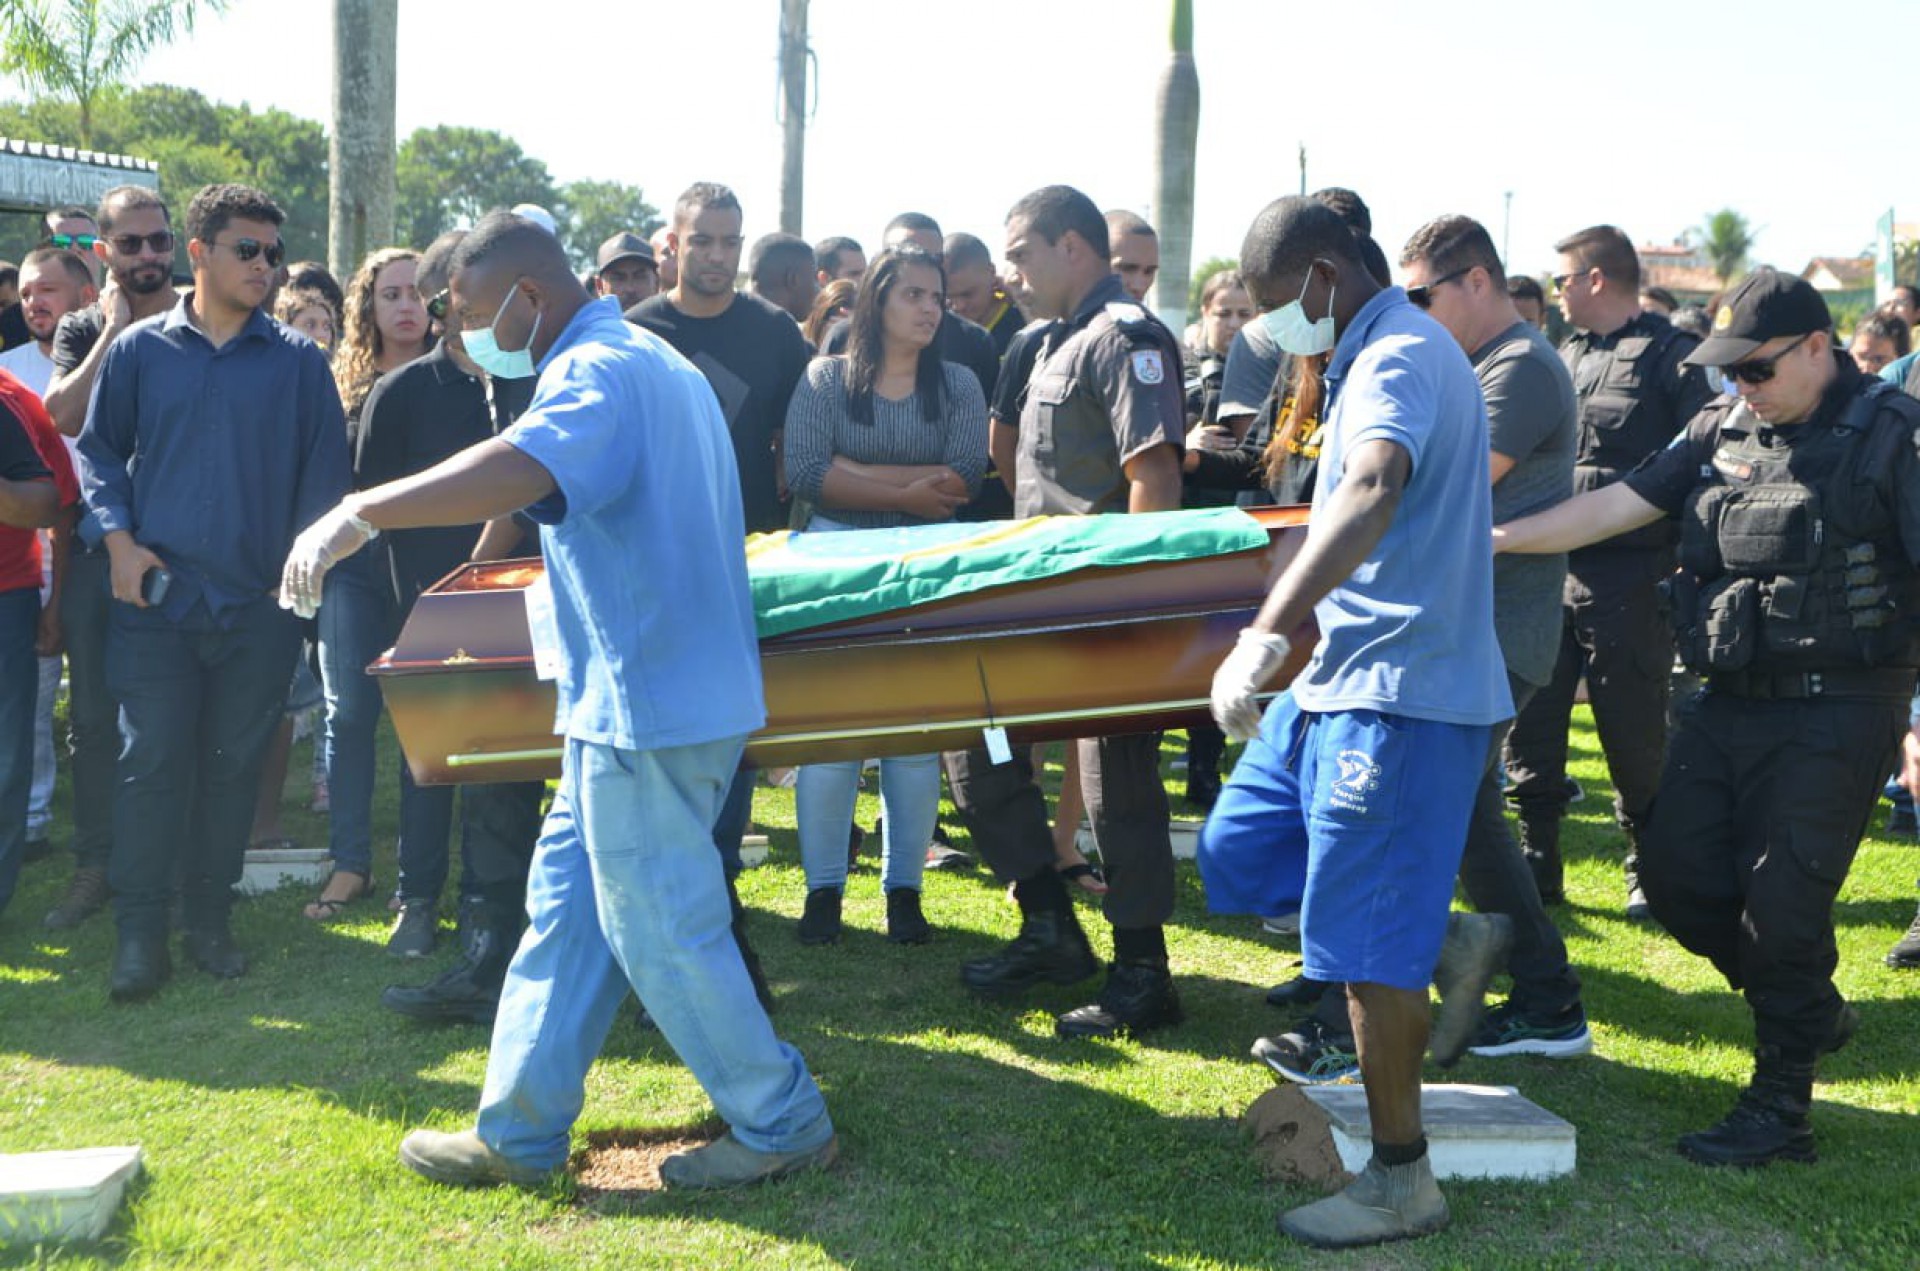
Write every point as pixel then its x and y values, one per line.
pixel 137 232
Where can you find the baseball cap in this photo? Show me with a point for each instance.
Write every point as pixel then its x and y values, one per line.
pixel 622 246
pixel 1765 306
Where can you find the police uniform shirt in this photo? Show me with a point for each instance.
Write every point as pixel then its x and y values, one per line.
pixel 1106 387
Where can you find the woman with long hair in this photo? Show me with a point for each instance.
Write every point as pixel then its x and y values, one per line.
pixel 887 436
pixel 384 326
pixel 833 303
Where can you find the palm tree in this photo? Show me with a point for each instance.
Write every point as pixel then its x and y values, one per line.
pixel 361 157
pixel 78 49
pixel 1177 108
pixel 1726 238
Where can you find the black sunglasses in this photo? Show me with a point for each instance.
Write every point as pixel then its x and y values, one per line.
pixel 1422 295
pixel 129 244
pixel 246 249
pixel 1560 281
pixel 437 306
pixel 68 242
pixel 1758 370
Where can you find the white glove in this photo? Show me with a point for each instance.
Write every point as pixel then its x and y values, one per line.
pixel 1256 656
pixel 321 546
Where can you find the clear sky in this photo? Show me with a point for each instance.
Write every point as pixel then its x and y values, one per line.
pixel 1645 113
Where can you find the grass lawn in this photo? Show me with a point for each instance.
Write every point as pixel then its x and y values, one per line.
pixel 270 1107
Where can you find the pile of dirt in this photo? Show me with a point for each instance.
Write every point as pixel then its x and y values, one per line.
pixel 1292 1139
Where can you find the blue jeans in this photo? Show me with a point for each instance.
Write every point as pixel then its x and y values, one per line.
pixel 19 624
pixel 910 803
pixel 197 705
pixel 356 626
pixel 626 890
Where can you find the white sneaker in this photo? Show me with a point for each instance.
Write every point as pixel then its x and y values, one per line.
pixel 1282 924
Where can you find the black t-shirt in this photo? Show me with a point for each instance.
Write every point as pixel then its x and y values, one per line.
pixel 958 341
pixel 19 460
pixel 416 416
pixel 13 327
pixel 75 337
pixel 752 354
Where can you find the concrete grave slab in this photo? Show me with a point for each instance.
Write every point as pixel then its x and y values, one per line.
pixel 1472 1131
pixel 48 1197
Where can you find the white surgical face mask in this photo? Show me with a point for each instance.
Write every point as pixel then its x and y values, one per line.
pixel 505 364
pixel 1297 334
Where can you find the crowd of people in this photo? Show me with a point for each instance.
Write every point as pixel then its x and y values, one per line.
pixel 219 501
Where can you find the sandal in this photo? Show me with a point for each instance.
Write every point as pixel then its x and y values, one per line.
pixel 324 908
pixel 1087 875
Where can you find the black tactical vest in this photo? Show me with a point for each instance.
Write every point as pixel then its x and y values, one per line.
pixel 1624 414
pixel 1790 555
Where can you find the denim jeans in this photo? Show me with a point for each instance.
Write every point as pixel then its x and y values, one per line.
pixel 40 797
pixel 626 889
pixel 909 799
pixel 93 717
pixel 19 623
pixel 356 626
pixel 197 705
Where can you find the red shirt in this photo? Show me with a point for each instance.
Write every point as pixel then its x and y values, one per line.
pixel 20 549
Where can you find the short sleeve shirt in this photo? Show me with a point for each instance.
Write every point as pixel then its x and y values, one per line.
pixel 1253 365
pixel 644 539
pixel 1410 631
pixel 1106 386
pixel 30 450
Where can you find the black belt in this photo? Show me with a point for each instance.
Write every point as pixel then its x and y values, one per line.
pixel 1893 683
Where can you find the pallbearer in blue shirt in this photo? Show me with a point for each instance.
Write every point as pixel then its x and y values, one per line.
pixel 659 685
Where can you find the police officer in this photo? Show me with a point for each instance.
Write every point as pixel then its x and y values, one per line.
pixel 1799 507
pixel 1635 392
pixel 1099 431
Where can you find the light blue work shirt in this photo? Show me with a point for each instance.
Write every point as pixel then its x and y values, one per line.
pixel 644 540
pixel 1410 632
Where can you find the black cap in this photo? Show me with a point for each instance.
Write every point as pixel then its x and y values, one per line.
pixel 1765 306
pixel 621 246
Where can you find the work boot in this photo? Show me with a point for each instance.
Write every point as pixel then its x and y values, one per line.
pixel 1540 844
pixel 1050 949
pixel 141 965
pixel 727 1162
pixel 1137 997
pixel 1386 1202
pixel 469 991
pixel 86 896
pixel 211 948
pixel 1637 910
pixel 1473 953
pixel 1769 1120
pixel 1846 1022
pixel 905 923
pixel 820 920
pixel 464 1161
pixel 1905 954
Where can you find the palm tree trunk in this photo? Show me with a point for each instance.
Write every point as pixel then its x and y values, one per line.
pixel 1178 113
pixel 366 36
pixel 793 113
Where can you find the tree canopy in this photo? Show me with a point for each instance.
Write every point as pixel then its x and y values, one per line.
pixel 76 50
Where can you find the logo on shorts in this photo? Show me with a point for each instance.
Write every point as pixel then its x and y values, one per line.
pixel 1359 777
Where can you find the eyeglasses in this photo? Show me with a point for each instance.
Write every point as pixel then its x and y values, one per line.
pixel 72 242
pixel 1560 281
pixel 1758 370
pixel 1422 296
pixel 437 306
pixel 129 244
pixel 246 249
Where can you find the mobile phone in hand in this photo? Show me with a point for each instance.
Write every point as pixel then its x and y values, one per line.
pixel 154 584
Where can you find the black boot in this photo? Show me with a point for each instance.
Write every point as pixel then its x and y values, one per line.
pixel 1050 949
pixel 1638 910
pixel 820 919
pixel 210 947
pixel 141 965
pixel 1768 1122
pixel 468 992
pixel 1540 844
pixel 1137 997
pixel 905 923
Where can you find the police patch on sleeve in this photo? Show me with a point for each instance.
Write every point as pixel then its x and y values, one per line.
pixel 1147 366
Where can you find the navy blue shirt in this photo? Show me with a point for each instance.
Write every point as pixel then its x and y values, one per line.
pixel 213 459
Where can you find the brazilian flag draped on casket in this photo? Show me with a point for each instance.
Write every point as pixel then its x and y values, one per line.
pixel 810 580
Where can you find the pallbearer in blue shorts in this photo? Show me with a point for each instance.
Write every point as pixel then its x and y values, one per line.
pixel 1354 793
pixel 659 684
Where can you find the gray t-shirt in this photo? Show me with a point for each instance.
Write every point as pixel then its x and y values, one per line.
pixel 1253 363
pixel 1531 419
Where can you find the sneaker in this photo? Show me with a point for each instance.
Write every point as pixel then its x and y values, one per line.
pixel 1282 924
pixel 942 854
pixel 1311 1055
pixel 1386 1202
pixel 86 896
pixel 1508 1030
pixel 727 1162
pixel 1905 954
pixel 820 920
pixel 415 931
pixel 1474 951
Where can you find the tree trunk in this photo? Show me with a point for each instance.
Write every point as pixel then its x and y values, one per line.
pixel 1177 108
pixel 793 113
pixel 360 155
